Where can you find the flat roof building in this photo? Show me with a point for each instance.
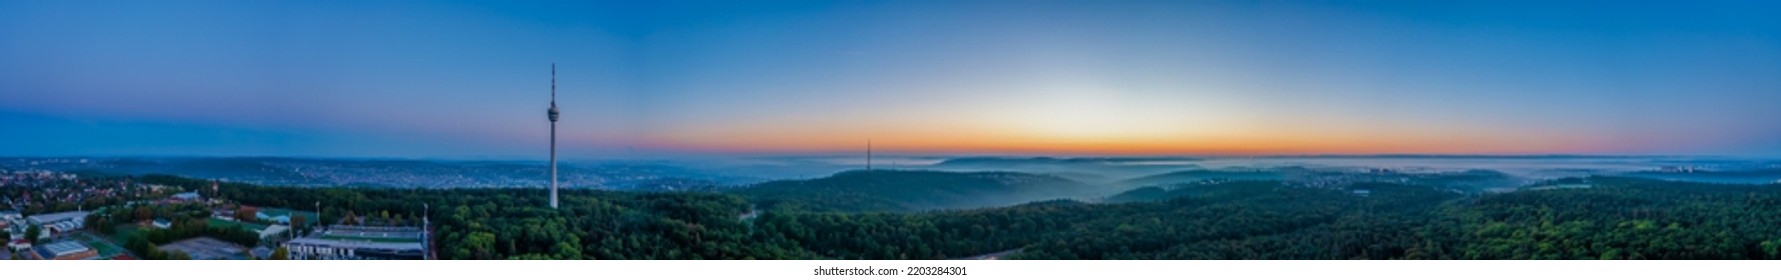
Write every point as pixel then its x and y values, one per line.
pixel 41 219
pixel 361 243
pixel 188 196
pixel 65 250
pixel 324 249
pixel 57 223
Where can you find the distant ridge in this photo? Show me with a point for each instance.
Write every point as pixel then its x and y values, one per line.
pixel 1058 160
pixel 1462 156
pixel 910 190
pixel 1186 176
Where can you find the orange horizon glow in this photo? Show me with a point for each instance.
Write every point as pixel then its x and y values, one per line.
pixel 986 143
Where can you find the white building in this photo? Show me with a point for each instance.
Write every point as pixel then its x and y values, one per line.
pixel 273 230
pixel 57 223
pixel 324 249
pixel 8 219
pixel 282 219
pixel 361 243
pixel 188 196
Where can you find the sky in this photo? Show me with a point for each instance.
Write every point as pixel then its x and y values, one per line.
pixel 661 78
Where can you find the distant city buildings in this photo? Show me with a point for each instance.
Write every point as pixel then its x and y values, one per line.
pixel 392 173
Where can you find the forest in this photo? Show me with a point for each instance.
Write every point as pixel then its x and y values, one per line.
pixel 1611 218
pixel 185 221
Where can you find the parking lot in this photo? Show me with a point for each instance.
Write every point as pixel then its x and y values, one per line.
pixel 205 248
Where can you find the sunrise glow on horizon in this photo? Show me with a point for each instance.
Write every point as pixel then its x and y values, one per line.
pixel 444 79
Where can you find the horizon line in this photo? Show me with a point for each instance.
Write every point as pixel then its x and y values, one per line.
pixel 920 155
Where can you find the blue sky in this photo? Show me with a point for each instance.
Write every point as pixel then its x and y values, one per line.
pixel 469 79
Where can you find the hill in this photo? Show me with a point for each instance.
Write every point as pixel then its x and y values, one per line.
pixel 1086 167
pixel 1189 176
pixel 1168 192
pixel 1751 176
pixel 908 190
pixel 1474 180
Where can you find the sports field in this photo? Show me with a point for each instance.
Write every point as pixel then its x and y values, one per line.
pixel 106 249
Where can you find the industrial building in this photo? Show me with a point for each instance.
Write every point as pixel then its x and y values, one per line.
pixel 65 250
pixel 361 243
pixel 57 223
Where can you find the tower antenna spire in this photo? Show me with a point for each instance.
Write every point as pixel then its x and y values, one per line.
pixel 553 85
pixel 553 135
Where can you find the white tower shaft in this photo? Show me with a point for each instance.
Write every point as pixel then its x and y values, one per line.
pixel 553 136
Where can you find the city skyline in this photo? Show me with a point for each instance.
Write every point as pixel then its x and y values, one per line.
pixel 445 79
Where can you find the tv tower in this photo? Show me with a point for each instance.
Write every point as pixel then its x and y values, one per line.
pixel 553 136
